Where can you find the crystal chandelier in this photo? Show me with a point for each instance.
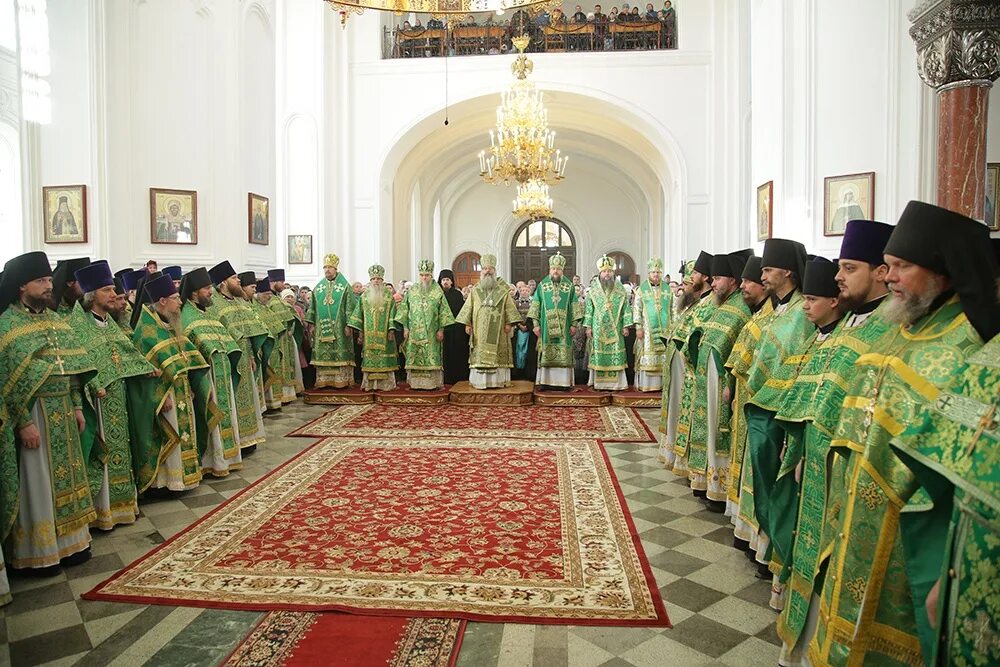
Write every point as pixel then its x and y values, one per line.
pixel 533 200
pixel 522 148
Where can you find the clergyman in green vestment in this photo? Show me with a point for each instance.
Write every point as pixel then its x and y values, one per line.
pixel 43 368
pixel 942 286
pixel 374 317
pixel 258 321
pixel 673 367
pixel 651 312
pixel 555 315
pixel 489 315
pixel 330 305
pixel 423 315
pixel 291 372
pixel 606 321
pixel 276 376
pixel 107 439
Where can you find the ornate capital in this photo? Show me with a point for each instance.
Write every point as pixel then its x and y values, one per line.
pixel 957 41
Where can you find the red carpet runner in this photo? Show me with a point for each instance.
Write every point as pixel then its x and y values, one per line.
pixel 299 639
pixel 610 424
pixel 530 531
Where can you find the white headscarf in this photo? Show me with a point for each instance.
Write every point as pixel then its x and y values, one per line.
pixel 285 293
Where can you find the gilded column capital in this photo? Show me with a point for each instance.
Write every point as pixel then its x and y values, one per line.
pixel 958 41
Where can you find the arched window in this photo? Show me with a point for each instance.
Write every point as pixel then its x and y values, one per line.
pixel 624 264
pixel 533 243
pixel 466 269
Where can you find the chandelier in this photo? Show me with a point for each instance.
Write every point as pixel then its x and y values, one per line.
pixel 522 148
pixel 533 200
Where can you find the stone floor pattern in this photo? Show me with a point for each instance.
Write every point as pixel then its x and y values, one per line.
pixel 718 608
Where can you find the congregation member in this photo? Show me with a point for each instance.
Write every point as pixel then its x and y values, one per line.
pixel 374 320
pixel 525 341
pixel 167 453
pixel 228 307
pixel 291 343
pixel 651 317
pixel 423 315
pixel 942 304
pixel 221 352
pixel 330 305
pixel 606 321
pixel 554 315
pixel 455 353
pixel 107 440
pixel 489 315
pixel 708 346
pixel 44 366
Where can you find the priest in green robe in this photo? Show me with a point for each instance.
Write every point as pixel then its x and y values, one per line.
pixel 121 310
pixel 489 314
pixel 171 434
pixel 374 318
pixel 106 440
pixel 263 373
pixel 941 280
pixel 606 319
pixel 291 372
pixel 230 308
pixel 65 292
pixel 331 303
pixel 276 376
pixel 708 346
pixel 220 350
pixel 809 413
pixel 423 315
pixel 651 316
pixel 555 314
pixel 44 367
pixel 673 368
pixel 699 288
pixel 739 496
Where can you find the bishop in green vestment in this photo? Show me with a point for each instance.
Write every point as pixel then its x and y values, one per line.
pixel 941 285
pixel 291 372
pixel 106 440
pixel 489 315
pixel 423 314
pixel 809 413
pixel 555 315
pixel 374 317
pixel 171 432
pixel 43 368
pixel 330 305
pixel 708 346
pixel 651 317
pixel 219 348
pixel 606 321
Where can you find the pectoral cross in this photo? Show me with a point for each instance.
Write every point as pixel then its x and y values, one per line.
pixel 115 357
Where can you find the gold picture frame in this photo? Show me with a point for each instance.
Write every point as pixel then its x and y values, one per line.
pixel 64 213
pixel 845 198
pixel 173 216
pixel 765 211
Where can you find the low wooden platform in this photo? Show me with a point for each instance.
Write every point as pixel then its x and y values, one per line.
pixel 578 396
pixel 348 396
pixel 403 395
pixel 519 393
pixel 636 399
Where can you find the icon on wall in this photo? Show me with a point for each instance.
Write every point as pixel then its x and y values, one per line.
pixel 845 198
pixel 765 210
pixel 173 216
pixel 64 209
pixel 258 219
pixel 300 249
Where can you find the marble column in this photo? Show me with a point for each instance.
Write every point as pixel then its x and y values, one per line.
pixel 958 54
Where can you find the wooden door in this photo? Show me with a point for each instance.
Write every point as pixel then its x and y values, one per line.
pixel 466 269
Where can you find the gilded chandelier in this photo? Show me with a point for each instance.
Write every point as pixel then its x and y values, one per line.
pixel 533 200
pixel 522 148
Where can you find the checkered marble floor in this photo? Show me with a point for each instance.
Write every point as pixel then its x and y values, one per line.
pixel 718 608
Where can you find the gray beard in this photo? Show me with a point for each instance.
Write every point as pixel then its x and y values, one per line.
pixel 488 283
pixel 607 283
pixel 912 308
pixel 375 298
pixel 685 300
pixel 424 290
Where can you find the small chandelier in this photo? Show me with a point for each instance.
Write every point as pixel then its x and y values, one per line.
pixel 533 200
pixel 522 148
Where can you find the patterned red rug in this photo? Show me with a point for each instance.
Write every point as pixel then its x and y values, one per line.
pixel 609 424
pixel 300 639
pixel 531 531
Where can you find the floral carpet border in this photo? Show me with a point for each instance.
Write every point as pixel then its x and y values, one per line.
pixel 599 587
pixel 618 423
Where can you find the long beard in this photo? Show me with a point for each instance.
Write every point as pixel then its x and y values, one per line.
pixel 911 308
pixel 425 289
pixel 488 283
pixel 685 301
pixel 173 321
pixel 375 298
pixel 608 283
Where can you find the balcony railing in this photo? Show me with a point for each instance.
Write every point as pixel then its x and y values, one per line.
pixel 494 39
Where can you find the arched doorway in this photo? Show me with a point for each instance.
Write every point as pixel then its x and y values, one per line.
pixel 533 243
pixel 466 269
pixel 624 265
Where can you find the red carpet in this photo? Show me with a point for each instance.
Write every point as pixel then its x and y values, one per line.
pixel 529 531
pixel 300 639
pixel 609 424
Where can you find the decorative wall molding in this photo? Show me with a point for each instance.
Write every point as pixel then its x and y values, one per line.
pixel 957 41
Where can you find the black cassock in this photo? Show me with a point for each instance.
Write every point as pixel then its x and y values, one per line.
pixel 455 351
